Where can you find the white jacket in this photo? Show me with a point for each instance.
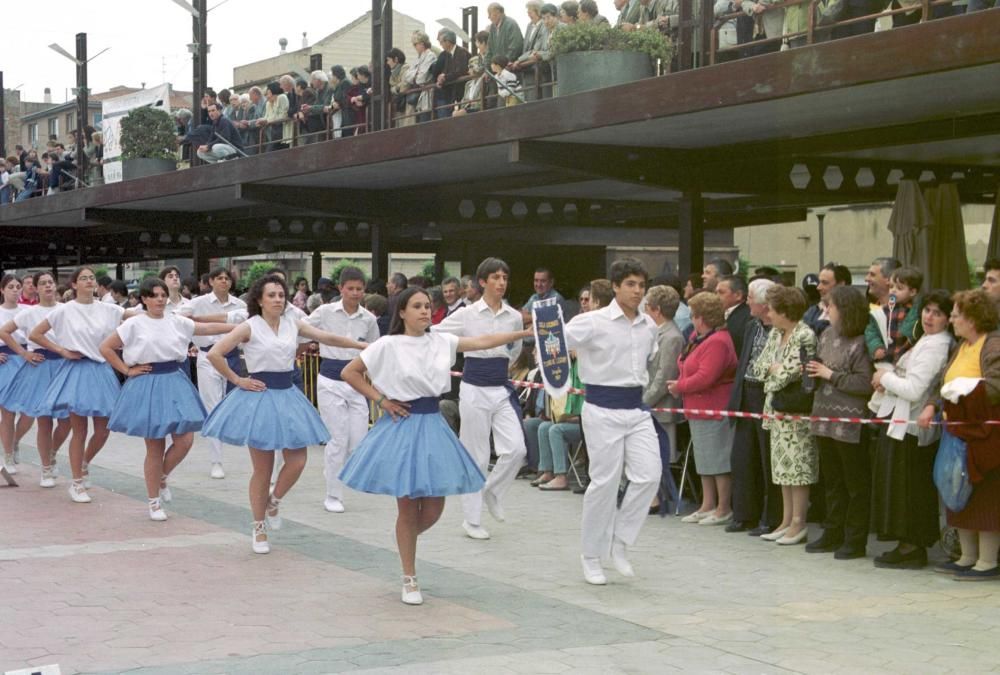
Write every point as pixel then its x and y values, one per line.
pixel 909 386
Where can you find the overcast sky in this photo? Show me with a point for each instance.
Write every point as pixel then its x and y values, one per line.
pixel 148 38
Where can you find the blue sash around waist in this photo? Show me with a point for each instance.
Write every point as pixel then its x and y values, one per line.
pixel 630 398
pixel 4 349
pixel 331 368
pixel 49 354
pixel 614 398
pixel 491 372
pixel 274 379
pixel 164 367
pixel 425 405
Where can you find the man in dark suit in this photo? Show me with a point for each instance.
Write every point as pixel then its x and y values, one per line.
pixel 452 64
pixel 733 292
pixel 756 501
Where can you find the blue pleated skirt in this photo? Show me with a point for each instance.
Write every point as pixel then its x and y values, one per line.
pixel 417 456
pixel 27 392
pixel 274 419
pixel 155 405
pixel 83 387
pixel 8 376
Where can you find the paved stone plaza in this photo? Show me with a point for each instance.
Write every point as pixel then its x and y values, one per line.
pixel 101 588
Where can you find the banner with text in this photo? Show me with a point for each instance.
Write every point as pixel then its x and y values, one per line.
pixel 550 338
pixel 112 112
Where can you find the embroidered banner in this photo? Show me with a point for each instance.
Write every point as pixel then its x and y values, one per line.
pixel 550 338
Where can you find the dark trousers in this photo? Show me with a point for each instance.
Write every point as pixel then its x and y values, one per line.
pixel 846 470
pixel 756 499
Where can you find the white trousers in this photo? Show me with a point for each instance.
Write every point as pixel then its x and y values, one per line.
pixel 617 439
pixel 486 409
pixel 345 414
pixel 212 387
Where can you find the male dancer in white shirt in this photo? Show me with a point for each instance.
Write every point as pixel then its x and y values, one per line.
pixel 211 384
pixel 343 409
pixel 484 400
pixel 612 346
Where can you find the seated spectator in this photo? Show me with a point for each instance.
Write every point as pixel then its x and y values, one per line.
pixel 904 499
pixel 472 96
pixel 225 142
pixel 558 434
pixel 5 187
pixel 974 320
pixel 843 375
pixel 707 368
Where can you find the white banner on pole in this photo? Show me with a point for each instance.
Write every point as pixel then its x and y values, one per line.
pixel 112 112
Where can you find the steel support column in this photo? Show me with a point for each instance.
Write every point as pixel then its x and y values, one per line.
pixel 691 252
pixel 317 268
pixel 380 254
pixel 81 104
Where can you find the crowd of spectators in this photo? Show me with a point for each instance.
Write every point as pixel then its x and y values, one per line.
pixel 27 174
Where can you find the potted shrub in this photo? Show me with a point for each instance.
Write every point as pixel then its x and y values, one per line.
pixel 149 143
pixel 591 56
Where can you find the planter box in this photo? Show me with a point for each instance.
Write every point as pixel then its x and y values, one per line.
pixel 140 168
pixel 584 71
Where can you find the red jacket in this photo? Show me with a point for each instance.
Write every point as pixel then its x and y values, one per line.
pixel 706 375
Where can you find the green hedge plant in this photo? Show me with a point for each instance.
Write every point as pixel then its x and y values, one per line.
pixel 588 36
pixel 148 133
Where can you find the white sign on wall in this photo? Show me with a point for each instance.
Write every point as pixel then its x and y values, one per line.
pixel 113 110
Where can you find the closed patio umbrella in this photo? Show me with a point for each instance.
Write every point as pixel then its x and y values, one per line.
pixel 909 224
pixel 994 248
pixel 949 264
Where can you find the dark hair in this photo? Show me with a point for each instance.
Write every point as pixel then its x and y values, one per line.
pixel 363 70
pixel 736 284
pixel 722 266
pixel 165 271
pixel 274 88
pixel 377 287
pixel 210 92
pixel 218 272
pixel 276 270
pixel 338 72
pixel 396 325
pixel 257 292
pixel 225 95
pixel 419 281
pixel 571 8
pixel 853 308
pixel 491 266
pixel 397 54
pixel 887 265
pixel 450 280
pixel 841 275
pixel 7 278
pixel 549 8
pixel 910 277
pixel 376 304
pixel 79 270
pixel 483 36
pixel 546 271
pixel 148 286
pixel 120 287
pixel 694 279
pixel 37 276
pixel 205 278
pixel 500 60
pixel 400 280
pixel 626 267
pixel 977 307
pixel 589 6
pixel 941 298
pixel 104 280
pixel 991 264
pixel 301 84
pixel 216 105
pixel 351 273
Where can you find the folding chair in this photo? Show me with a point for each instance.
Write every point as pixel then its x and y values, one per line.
pixel 686 478
pixel 573 460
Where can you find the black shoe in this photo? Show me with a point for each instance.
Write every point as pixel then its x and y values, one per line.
pixel 759 531
pixel 737 526
pixel 654 510
pixel 894 559
pixel 827 543
pixel 580 490
pixel 951 567
pixel 978 575
pixel 848 552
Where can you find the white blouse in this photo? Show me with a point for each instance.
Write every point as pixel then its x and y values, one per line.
pixel 7 315
pixel 267 351
pixel 28 318
pixel 149 340
pixel 82 328
pixel 405 368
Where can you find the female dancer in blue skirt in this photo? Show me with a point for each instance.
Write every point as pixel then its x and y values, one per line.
pixel 265 412
pixel 10 364
pixel 158 398
pixel 411 453
pixel 85 385
pixel 26 394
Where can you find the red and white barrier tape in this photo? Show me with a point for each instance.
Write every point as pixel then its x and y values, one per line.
pixel 787 417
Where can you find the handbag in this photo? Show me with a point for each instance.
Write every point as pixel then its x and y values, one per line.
pixel 793 399
pixel 951 472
